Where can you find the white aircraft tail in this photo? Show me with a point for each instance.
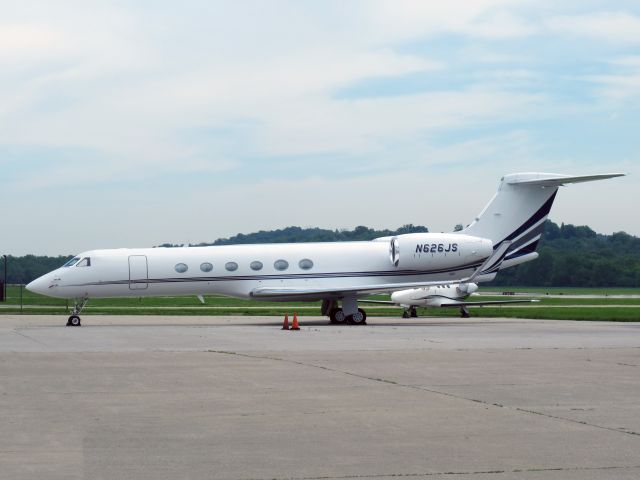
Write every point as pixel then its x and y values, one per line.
pixel 518 211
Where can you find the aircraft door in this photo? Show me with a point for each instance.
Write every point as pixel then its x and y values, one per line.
pixel 138 272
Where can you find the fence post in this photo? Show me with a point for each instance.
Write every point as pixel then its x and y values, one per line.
pixel 4 286
pixel 21 299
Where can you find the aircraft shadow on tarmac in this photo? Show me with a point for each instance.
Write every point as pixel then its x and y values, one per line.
pixel 311 323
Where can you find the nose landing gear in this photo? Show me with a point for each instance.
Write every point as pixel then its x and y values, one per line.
pixel 74 319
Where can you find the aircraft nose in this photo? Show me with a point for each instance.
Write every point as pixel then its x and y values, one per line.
pixel 39 285
pixel 399 297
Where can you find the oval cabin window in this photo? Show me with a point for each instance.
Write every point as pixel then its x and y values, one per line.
pixel 281 265
pixel 206 267
pixel 231 266
pixel 256 265
pixel 181 267
pixel 305 264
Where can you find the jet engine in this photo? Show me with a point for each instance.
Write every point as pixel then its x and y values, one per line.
pixel 438 251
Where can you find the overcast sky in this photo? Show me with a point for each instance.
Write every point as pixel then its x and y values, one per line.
pixel 127 124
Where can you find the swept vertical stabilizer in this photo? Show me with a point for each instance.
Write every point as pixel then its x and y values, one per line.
pixel 518 211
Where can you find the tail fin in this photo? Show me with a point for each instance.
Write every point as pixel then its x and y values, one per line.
pixel 518 210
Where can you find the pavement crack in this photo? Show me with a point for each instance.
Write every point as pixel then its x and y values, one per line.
pixel 29 338
pixel 532 412
pixel 430 390
pixel 447 473
pixel 580 422
pixel 312 365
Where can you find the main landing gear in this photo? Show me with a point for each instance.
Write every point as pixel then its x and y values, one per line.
pixel 74 319
pixel 410 312
pixel 464 312
pixel 349 312
pixel 337 316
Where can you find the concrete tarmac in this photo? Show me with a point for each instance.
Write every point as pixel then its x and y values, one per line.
pixel 142 397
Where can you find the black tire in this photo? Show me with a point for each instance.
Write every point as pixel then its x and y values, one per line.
pixel 413 312
pixel 337 316
pixel 405 314
pixel 74 321
pixel 359 318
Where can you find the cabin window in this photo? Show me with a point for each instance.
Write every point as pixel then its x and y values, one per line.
pixel 85 262
pixel 281 264
pixel 256 265
pixel 181 267
pixel 206 267
pixel 305 264
pixel 71 262
pixel 231 266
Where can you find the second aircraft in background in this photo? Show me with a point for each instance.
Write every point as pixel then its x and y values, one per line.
pixel 451 295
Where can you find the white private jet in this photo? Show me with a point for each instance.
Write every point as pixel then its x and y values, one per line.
pixel 454 295
pixel 332 272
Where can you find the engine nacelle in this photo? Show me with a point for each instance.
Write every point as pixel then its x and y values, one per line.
pixel 438 251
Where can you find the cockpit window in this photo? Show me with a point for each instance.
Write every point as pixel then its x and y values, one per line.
pixel 71 262
pixel 85 262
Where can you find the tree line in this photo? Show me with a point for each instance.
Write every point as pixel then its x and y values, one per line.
pixel 570 256
pixel 576 256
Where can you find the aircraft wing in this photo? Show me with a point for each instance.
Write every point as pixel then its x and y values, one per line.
pixel 338 292
pixel 489 302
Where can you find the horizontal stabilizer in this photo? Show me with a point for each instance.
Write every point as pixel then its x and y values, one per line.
pixel 554 179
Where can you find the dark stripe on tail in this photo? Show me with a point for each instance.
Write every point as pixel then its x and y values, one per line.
pixel 542 212
pixel 524 251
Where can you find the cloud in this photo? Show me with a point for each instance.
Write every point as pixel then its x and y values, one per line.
pixel 610 27
pixel 365 125
pixel 131 100
pixel 25 42
pixel 622 84
pixel 406 19
pixel 126 88
pixel 618 87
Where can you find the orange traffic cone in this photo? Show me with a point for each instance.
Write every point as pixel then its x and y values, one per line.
pixel 295 325
pixel 285 324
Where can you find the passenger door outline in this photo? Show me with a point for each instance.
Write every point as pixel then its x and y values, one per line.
pixel 138 272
